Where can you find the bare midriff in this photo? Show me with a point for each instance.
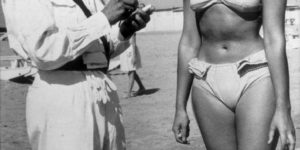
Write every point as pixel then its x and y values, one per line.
pixel 227 35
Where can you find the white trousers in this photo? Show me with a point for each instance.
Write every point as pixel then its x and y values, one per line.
pixel 69 110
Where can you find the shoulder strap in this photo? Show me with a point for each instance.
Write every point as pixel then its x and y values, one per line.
pixel 88 13
pixel 85 10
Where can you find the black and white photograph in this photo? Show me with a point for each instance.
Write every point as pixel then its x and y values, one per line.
pixel 149 74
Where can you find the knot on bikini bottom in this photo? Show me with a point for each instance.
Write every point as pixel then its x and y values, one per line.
pixel 198 68
pixel 252 62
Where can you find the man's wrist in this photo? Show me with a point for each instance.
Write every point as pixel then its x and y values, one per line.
pixel 126 29
pixel 122 38
pixel 125 33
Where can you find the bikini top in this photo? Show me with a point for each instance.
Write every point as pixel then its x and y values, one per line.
pixel 239 5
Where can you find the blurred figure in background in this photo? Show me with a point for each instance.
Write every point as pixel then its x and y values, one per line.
pixel 130 61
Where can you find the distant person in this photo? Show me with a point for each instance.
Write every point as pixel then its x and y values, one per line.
pixel 239 80
pixel 73 104
pixel 130 61
pixel 3 37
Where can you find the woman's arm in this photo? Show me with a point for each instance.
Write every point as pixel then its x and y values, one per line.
pixel 188 48
pixel 274 41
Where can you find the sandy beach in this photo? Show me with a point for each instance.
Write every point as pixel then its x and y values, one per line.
pixel 147 118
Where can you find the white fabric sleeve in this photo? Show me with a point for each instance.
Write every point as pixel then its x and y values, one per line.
pixel 32 26
pixel 119 45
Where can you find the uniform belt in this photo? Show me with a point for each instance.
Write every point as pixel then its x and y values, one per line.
pixel 78 65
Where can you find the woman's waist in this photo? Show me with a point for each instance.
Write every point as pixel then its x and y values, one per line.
pixel 234 29
pixel 255 60
pixel 228 51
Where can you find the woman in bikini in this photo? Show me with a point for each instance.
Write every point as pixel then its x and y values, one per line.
pixel 239 80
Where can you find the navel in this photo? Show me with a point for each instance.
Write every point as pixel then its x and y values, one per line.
pixel 225 47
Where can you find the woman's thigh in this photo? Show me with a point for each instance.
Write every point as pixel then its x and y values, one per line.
pixel 253 116
pixel 215 120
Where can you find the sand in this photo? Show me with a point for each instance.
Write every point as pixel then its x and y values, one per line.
pixel 148 118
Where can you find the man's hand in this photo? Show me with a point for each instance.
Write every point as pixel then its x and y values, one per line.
pixel 137 21
pixel 117 10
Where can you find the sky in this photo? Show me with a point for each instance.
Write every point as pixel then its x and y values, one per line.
pixel 159 4
pixel 163 4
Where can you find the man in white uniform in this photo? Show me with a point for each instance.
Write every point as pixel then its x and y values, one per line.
pixel 72 104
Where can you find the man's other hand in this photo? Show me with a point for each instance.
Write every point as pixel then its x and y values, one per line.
pixel 137 21
pixel 117 10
